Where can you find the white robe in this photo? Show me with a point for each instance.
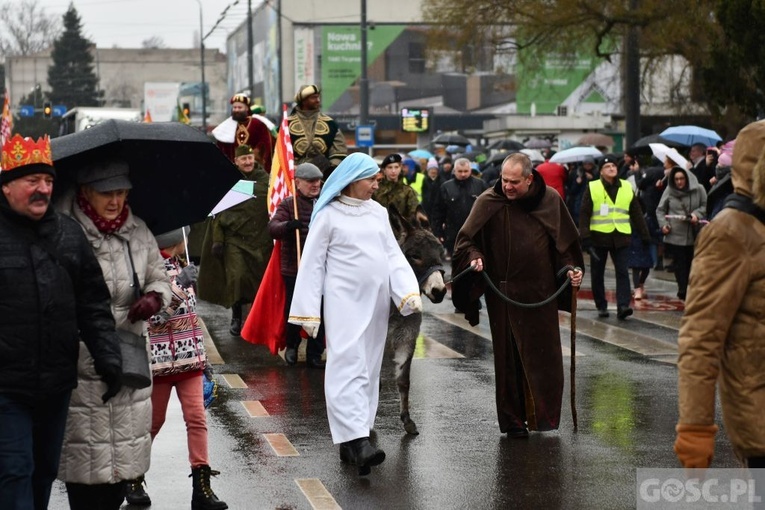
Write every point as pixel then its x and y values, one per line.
pixel 352 258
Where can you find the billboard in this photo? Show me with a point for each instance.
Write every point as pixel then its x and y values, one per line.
pixel 341 56
pixel 160 99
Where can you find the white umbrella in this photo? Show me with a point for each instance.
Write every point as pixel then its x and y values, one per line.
pixel 534 155
pixel 241 192
pixel 575 154
pixel 662 152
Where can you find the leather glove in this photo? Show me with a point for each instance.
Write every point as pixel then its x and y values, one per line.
pixel 112 376
pixel 144 307
pixel 188 276
pixel 294 224
pixel 312 328
pixel 217 250
pixel 695 445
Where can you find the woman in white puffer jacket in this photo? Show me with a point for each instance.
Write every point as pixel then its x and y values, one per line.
pixel 106 444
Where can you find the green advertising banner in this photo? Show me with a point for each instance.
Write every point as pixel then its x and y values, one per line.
pixel 341 56
pixel 551 85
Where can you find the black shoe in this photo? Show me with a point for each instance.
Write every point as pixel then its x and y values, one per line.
pixel 236 327
pixel 316 363
pixel 135 493
pixel 623 313
pixel 518 433
pixel 290 355
pixel 603 313
pixel 360 452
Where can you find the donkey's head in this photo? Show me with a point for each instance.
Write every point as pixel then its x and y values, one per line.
pixel 424 253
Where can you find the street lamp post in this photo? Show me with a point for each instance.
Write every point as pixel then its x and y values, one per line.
pixel 202 63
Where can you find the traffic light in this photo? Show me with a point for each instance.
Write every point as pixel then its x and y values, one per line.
pixel 47 110
pixel 187 110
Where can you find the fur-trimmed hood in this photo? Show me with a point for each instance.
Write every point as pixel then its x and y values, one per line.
pixel 748 172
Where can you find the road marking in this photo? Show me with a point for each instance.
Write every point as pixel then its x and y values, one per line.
pixel 316 494
pixel 213 356
pixel 625 338
pixel 255 409
pixel 426 347
pixel 281 445
pixel 233 380
pixel 457 320
pixel 667 320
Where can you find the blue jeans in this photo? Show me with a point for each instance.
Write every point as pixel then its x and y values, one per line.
pixel 31 435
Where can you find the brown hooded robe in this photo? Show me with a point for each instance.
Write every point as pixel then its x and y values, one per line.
pixel 523 244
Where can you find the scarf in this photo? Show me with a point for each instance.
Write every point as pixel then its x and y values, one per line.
pixel 103 225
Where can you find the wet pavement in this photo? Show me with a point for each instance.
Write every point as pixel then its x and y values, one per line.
pixel 269 436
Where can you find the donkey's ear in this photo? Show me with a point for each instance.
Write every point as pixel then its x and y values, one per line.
pixel 396 220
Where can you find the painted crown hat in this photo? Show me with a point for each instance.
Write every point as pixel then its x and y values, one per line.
pixel 24 156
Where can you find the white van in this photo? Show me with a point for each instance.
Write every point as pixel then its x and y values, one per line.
pixel 84 117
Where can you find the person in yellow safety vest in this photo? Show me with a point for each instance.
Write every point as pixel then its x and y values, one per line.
pixel 609 211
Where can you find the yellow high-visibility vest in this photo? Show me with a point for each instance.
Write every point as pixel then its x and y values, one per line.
pixel 618 217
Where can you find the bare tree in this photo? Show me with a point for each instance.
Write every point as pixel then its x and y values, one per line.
pixel 28 29
pixel 153 43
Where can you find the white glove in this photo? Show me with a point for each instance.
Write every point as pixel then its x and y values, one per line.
pixel 412 305
pixel 312 328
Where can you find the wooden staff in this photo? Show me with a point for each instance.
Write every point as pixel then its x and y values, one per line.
pixel 297 217
pixel 574 290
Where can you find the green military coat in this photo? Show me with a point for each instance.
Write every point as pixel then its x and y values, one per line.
pixel 243 230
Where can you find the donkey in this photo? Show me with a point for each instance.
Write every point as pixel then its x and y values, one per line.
pixel 425 254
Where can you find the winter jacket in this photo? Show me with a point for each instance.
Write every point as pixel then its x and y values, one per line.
pixel 455 199
pixel 52 289
pixel 722 331
pixel 107 443
pixel 681 202
pixel 277 227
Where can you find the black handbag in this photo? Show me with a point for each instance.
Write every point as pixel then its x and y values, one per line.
pixel 136 371
pixel 135 360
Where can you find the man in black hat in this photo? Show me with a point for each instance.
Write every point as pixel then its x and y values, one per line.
pixel 53 295
pixel 283 226
pixel 244 129
pixel 610 210
pixel 316 137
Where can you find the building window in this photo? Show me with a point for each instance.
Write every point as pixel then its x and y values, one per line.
pixel 416 58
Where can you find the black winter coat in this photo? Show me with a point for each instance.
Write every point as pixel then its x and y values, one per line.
pixel 53 294
pixel 277 227
pixel 455 199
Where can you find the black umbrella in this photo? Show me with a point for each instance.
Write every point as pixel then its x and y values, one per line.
pixel 178 174
pixel 506 145
pixel 451 139
pixel 642 145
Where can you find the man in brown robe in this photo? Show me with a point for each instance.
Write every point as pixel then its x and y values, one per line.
pixel 520 232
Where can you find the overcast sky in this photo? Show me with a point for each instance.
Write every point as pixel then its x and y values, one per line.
pixel 127 23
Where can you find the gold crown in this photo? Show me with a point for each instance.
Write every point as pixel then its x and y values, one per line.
pixel 20 151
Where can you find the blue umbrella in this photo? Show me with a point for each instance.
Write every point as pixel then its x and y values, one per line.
pixel 689 135
pixel 421 154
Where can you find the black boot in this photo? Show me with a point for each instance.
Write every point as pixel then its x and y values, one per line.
pixel 360 452
pixel 236 319
pixel 203 497
pixel 135 493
